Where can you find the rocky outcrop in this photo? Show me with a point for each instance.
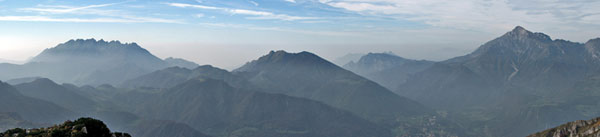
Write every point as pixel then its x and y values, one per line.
pixel 580 128
pixel 83 127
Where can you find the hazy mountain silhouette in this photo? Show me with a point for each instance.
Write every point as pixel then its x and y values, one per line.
pixel 30 109
pixel 181 63
pixel 216 108
pixel 531 62
pixel 509 84
pixel 46 89
pixel 90 62
pixel 351 57
pixel 387 69
pixel 169 77
pixel 307 75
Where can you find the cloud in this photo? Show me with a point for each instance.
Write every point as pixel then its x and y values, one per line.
pixel 254 3
pixel 480 15
pixel 199 15
pixel 66 9
pixel 255 14
pixel 309 32
pixel 104 15
pixel 95 20
pixel 183 5
pixel 292 1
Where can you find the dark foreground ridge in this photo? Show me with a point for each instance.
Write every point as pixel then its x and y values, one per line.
pixel 580 128
pixel 82 127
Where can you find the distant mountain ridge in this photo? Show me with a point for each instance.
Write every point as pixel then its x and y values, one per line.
pixel 387 69
pixel 92 62
pixel 509 83
pixel 219 109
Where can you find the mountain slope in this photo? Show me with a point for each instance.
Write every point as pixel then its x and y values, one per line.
pixel 512 85
pixel 387 69
pixel 30 109
pixel 216 108
pixel 181 63
pixel 580 128
pixel 307 75
pixel 169 77
pixel 46 89
pixel 531 62
pixel 90 62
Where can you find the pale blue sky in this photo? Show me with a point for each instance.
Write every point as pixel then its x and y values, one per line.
pixel 229 33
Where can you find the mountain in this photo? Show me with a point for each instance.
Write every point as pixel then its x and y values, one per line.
pixel 163 128
pixel 580 128
pixel 10 120
pixel 180 62
pixel 351 57
pixel 22 80
pixel 90 62
pixel 82 127
pixel 511 86
pixel 530 62
pixel 30 109
pixel 309 76
pixel 169 77
pixel 11 61
pixel 46 89
pixel 387 69
pixel 214 107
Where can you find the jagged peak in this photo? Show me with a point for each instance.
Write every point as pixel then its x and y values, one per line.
pixel 522 33
pixel 95 43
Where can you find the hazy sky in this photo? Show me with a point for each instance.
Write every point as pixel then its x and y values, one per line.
pixel 229 33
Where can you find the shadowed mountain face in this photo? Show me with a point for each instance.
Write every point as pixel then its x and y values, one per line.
pixel 47 90
pixel 307 75
pixel 90 62
pixel 30 108
pixel 514 85
pixel 531 62
pixel 169 77
pixel 219 109
pixel 387 69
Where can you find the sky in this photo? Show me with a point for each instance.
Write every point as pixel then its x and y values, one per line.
pixel 227 34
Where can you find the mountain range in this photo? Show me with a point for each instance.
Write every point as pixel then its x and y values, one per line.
pixel 91 62
pixel 517 84
pixel 387 69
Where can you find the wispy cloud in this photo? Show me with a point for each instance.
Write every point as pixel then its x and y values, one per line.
pixel 96 20
pixel 254 3
pixel 66 9
pixel 279 29
pixel 488 15
pixel 255 14
pixel 103 15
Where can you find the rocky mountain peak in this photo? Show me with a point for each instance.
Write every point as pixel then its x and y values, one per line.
pixel 282 58
pixel 522 33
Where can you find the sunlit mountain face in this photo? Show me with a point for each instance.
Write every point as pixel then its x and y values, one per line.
pixel 299 68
